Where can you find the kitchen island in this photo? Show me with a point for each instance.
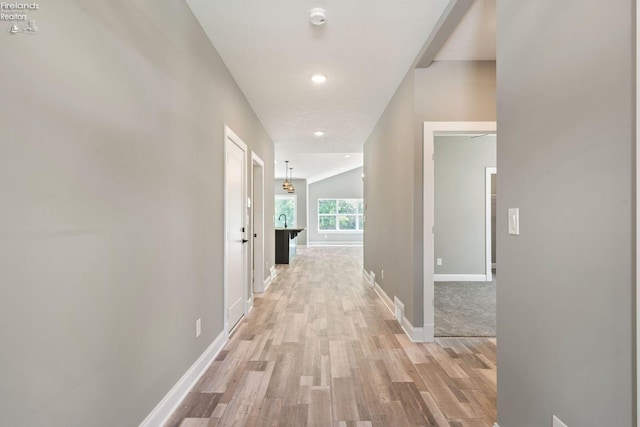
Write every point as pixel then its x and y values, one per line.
pixel 286 244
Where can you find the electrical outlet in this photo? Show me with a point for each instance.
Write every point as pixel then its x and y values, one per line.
pixel 382 274
pixel 558 423
pixel 198 328
pixel 439 261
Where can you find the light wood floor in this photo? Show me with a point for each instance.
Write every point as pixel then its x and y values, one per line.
pixel 319 348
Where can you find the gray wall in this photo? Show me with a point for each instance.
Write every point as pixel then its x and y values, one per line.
pixel 565 158
pixel 300 186
pixel 393 165
pixel 459 202
pixel 388 196
pixel 347 185
pixel 111 227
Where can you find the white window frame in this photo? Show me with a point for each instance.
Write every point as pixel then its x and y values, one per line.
pixel 359 223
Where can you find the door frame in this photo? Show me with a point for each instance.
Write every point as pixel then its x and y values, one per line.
pixel 430 131
pixel 487 235
pixel 231 138
pixel 636 312
pixel 257 225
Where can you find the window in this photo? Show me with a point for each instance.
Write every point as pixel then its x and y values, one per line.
pixel 340 215
pixel 286 205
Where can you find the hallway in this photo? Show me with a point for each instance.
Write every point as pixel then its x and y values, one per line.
pixel 320 348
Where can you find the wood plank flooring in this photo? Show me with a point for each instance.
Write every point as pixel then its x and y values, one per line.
pixel 319 348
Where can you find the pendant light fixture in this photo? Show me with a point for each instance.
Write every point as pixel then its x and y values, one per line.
pixel 291 188
pixel 286 184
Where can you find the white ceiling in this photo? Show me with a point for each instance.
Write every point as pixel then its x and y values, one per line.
pixel 365 49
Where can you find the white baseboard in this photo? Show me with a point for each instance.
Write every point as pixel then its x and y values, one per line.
pixel 369 277
pixel 273 272
pixel 248 305
pixel 415 334
pixel 429 332
pixel 495 425
pixel 170 402
pixel 459 277
pixel 335 244
pixel 385 298
pixel 267 283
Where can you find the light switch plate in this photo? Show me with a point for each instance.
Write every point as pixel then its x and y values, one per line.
pixel 558 423
pixel 514 221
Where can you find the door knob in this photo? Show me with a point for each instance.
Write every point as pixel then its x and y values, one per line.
pixel 244 240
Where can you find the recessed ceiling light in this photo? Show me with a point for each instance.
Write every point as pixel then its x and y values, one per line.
pixel 347 156
pixel 319 78
pixel 318 133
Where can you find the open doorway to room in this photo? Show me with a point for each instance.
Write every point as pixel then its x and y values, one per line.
pixel 464 293
pixel 459 290
pixel 490 216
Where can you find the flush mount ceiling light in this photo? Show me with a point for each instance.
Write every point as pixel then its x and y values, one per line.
pixel 318 78
pixel 318 16
pixel 318 133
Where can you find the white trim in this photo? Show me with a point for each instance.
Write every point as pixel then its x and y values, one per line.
pixel 384 297
pixel 637 219
pixel 231 138
pixel 366 275
pixel 460 278
pixel 369 277
pixel 495 425
pixel 257 223
pixel 170 402
pixel 273 273
pixel 330 243
pixel 487 235
pixel 431 129
pixel 414 334
pixel 267 283
pixel 248 305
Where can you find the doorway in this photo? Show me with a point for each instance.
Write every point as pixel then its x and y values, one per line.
pixel 490 216
pixel 258 265
pixel 431 130
pixel 236 221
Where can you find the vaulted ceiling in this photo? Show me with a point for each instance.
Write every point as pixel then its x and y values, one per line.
pixel 364 49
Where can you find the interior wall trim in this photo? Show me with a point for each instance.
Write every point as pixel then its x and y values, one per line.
pixel 415 334
pixel 170 402
pixel 267 283
pixel 460 278
pixel 430 131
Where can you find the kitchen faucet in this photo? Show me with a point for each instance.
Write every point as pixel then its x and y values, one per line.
pixel 285 219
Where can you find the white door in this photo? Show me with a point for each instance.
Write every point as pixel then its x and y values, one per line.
pixel 235 166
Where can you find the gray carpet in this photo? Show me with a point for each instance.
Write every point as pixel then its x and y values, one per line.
pixel 465 309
